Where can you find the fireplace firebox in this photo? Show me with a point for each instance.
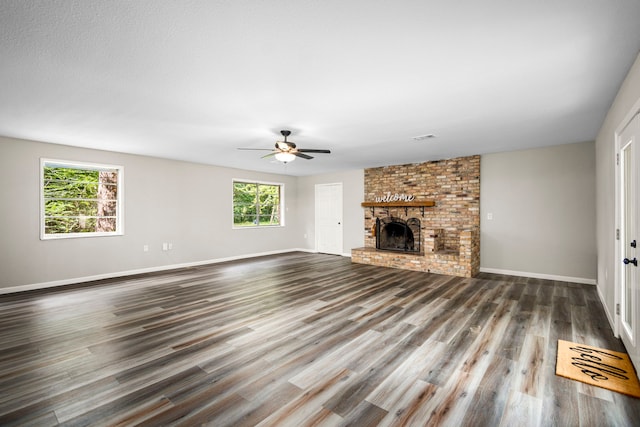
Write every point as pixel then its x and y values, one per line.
pixel 396 234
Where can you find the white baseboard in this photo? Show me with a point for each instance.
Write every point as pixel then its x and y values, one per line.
pixel 610 318
pixel 63 282
pixel 539 276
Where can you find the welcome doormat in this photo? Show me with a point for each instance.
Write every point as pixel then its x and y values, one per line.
pixel 596 366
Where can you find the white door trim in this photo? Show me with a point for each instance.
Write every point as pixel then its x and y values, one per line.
pixel 627 136
pixel 617 213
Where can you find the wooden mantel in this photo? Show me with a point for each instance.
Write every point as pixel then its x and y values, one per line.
pixel 399 204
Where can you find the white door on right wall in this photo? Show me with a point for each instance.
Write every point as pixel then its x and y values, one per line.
pixel 629 155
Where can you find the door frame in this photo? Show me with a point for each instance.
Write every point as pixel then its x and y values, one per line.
pixel 618 237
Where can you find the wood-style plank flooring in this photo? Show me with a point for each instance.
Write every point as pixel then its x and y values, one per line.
pixel 302 340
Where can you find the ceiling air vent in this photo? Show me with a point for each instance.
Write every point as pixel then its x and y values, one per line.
pixel 423 137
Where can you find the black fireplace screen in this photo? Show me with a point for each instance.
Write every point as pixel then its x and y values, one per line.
pixel 395 234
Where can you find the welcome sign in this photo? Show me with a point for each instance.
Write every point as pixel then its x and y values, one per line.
pixel 388 197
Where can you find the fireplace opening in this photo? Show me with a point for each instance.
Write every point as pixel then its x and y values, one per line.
pixel 395 234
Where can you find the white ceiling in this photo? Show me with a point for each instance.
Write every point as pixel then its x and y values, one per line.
pixel 197 79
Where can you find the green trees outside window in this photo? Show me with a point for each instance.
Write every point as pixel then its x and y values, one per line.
pixel 79 200
pixel 256 204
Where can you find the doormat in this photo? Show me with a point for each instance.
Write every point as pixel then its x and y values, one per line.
pixel 596 366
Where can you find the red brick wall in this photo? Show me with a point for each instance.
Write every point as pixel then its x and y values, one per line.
pixel 454 185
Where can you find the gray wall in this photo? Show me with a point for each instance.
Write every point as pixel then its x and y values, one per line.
pixel 543 207
pixel 542 203
pixel 353 215
pixel 627 100
pixel 189 205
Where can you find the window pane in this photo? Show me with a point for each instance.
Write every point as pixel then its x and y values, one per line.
pixel 62 225
pixel 56 207
pixel 256 204
pixel 269 220
pixel 62 189
pixel 106 225
pixel 79 199
pixel 269 203
pixel 244 203
pixel 107 207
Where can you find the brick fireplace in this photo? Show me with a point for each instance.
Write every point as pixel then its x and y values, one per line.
pixel 443 197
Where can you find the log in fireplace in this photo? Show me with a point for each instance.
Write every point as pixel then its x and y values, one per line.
pixel 396 234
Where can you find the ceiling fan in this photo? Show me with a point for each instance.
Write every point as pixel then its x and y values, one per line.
pixel 286 151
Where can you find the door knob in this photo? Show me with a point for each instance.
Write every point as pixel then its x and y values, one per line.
pixel 630 261
pixel 633 244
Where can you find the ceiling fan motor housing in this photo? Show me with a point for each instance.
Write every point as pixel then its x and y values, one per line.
pixel 285 145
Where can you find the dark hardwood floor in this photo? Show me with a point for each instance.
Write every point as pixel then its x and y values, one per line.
pixel 300 340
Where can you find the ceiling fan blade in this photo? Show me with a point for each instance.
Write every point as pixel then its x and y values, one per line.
pixel 256 149
pixel 273 153
pixel 306 150
pixel 304 156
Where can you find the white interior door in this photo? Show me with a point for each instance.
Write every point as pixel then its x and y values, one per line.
pixel 629 155
pixel 329 218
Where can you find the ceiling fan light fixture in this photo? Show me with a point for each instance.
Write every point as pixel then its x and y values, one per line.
pixel 285 157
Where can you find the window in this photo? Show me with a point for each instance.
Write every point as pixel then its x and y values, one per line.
pixel 257 204
pixel 80 199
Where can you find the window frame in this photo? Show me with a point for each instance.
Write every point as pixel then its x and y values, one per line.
pixel 257 182
pixel 72 164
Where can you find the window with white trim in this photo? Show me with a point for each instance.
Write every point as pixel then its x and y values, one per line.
pixel 257 204
pixel 80 199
